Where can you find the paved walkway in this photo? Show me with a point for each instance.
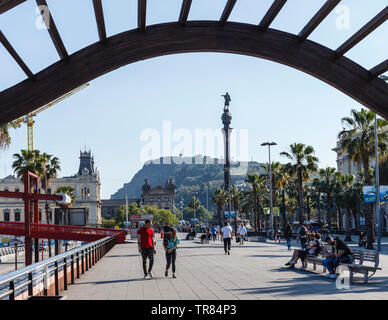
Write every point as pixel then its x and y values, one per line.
pixel 253 271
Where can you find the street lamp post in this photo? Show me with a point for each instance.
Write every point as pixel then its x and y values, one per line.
pixel 379 227
pixel 269 144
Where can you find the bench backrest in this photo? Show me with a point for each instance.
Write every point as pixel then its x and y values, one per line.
pixel 368 256
pixel 357 255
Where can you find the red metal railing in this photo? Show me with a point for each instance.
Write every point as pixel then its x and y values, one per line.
pixel 60 232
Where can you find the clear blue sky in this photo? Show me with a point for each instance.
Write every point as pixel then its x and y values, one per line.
pixel 109 116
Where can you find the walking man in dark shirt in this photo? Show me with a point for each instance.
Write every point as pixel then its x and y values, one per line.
pixel 146 244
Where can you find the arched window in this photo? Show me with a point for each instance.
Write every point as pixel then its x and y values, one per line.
pixel 85 193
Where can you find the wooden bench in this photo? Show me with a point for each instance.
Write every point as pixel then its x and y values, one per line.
pixel 366 256
pixel 361 257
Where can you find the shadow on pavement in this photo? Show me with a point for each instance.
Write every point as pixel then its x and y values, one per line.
pixel 123 255
pixel 112 281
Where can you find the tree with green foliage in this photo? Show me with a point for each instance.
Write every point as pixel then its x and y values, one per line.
pixel 69 190
pixel 358 140
pixel 201 214
pixel 303 163
pixel 219 198
pixel 163 216
pixel 5 137
pixel 326 186
pixel 258 185
pixel 108 223
pixel 50 171
pixel 121 214
pixel 194 204
pixel 27 160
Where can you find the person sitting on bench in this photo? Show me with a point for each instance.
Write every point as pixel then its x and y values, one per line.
pixel 341 254
pixel 312 249
pixel 192 233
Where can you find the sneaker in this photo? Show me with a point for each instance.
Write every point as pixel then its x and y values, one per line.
pixel 146 276
pixel 291 266
pixel 287 264
pixel 292 262
pixel 173 275
pixel 150 275
pixel 229 253
pixel 166 273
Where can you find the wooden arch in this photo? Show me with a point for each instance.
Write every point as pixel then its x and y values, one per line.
pixel 145 42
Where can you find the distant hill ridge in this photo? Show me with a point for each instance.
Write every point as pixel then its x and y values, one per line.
pixel 190 175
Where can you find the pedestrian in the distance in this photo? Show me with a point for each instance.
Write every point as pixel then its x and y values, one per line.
pixel 242 231
pixel 227 236
pixel 288 235
pixel 218 232
pixel 214 233
pixel 147 245
pixel 171 251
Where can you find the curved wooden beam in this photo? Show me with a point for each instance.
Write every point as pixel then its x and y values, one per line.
pixel 6 5
pixel 197 36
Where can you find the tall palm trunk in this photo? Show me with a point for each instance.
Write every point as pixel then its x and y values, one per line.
pixel 284 210
pixel 348 226
pixel 341 220
pixel 328 211
pixel 300 194
pixel 255 210
pixel 368 210
pixel 219 212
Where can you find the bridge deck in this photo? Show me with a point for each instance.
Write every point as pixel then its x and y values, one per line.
pixel 252 271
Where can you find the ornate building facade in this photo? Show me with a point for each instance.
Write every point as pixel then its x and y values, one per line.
pixel 345 164
pixel 86 209
pixel 162 197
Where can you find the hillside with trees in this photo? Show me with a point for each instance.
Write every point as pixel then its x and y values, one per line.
pixel 197 176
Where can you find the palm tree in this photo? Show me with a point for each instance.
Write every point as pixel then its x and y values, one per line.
pixel 219 198
pixel 359 142
pixel 194 204
pixel 347 199
pixel 291 197
pixel 384 171
pixel 50 171
pixel 235 197
pixel 257 185
pixel 303 163
pixel 5 138
pixel 246 203
pixel 284 179
pixel 316 197
pixel 326 186
pixel 28 160
pixel 69 190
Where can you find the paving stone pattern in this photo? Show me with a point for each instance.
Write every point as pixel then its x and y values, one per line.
pixel 252 271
